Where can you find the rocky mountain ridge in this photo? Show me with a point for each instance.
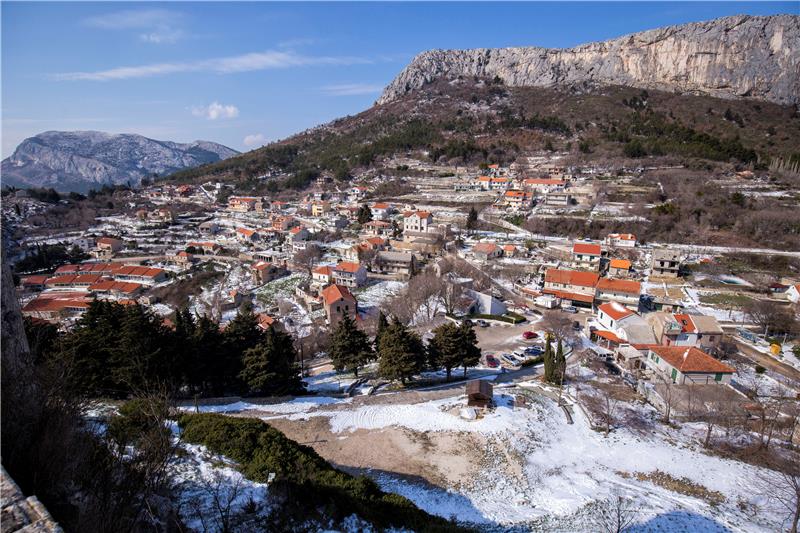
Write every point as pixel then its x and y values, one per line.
pixel 81 160
pixel 731 57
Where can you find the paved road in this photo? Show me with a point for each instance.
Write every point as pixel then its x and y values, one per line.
pixel 768 362
pixel 690 248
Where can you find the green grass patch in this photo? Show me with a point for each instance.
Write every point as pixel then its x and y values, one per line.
pixel 308 483
pixel 725 300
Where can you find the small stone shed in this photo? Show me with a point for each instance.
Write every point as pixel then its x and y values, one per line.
pixel 479 393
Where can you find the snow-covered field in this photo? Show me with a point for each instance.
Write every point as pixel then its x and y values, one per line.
pixel 540 473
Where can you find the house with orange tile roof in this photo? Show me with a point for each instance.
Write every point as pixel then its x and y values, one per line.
pixel 484 251
pixel 378 228
pixel 687 365
pixel 55 309
pixel 349 274
pixel 124 289
pixel 247 235
pixel 543 185
pixel 381 210
pixel 322 276
pixel 517 199
pixel 417 221
pixel 35 282
pixel 587 255
pixel 619 268
pixel 338 302
pixel 681 329
pixel 621 240
pixel 243 204
pixel 619 325
pixel 571 285
pixel 623 291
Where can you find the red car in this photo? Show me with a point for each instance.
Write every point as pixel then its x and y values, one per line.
pixel 492 362
pixel 528 335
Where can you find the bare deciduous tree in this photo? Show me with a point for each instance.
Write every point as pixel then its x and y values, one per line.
pixel 617 515
pixel 782 487
pixel 308 257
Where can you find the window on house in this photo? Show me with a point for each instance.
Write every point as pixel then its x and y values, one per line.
pixel 717 377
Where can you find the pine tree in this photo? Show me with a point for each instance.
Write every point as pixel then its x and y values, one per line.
pixel 241 334
pixel 445 348
pixel 209 372
pixel 401 353
pixel 470 353
pixel 364 214
pixel 270 368
pixel 549 363
pixel 350 347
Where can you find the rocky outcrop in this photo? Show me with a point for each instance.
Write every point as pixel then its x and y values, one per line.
pixel 739 56
pixel 81 160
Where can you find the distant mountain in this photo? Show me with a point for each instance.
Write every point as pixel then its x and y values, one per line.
pixel 731 57
pixel 82 160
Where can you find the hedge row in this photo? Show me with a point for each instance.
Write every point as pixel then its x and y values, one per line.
pixel 510 317
pixel 308 482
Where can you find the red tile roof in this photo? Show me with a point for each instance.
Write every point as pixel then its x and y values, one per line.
pixel 324 271
pixel 586 249
pixel 566 295
pixel 620 285
pixel 620 263
pixel 485 247
pixel 687 325
pixel 348 266
pixel 571 277
pixel 615 310
pixel 333 293
pixel 690 360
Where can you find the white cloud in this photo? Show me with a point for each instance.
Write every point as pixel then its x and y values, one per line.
pixel 352 89
pixel 162 36
pixel 160 26
pixel 215 110
pixel 270 59
pixel 256 139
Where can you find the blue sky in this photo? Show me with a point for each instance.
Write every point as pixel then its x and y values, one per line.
pixel 246 73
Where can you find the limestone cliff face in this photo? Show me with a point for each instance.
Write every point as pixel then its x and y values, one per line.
pixel 731 57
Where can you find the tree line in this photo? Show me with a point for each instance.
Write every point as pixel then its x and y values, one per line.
pixel 400 352
pixel 116 350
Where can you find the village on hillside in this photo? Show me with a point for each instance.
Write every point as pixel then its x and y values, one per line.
pixel 677 360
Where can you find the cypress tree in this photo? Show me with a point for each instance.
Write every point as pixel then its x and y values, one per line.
pixel 350 347
pixel 472 218
pixel 560 364
pixel 549 364
pixel 383 323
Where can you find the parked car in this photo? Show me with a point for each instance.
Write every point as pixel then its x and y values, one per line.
pixel 509 359
pixel 468 321
pixel 482 323
pixel 534 351
pixel 528 335
pixel 570 309
pixel 491 361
